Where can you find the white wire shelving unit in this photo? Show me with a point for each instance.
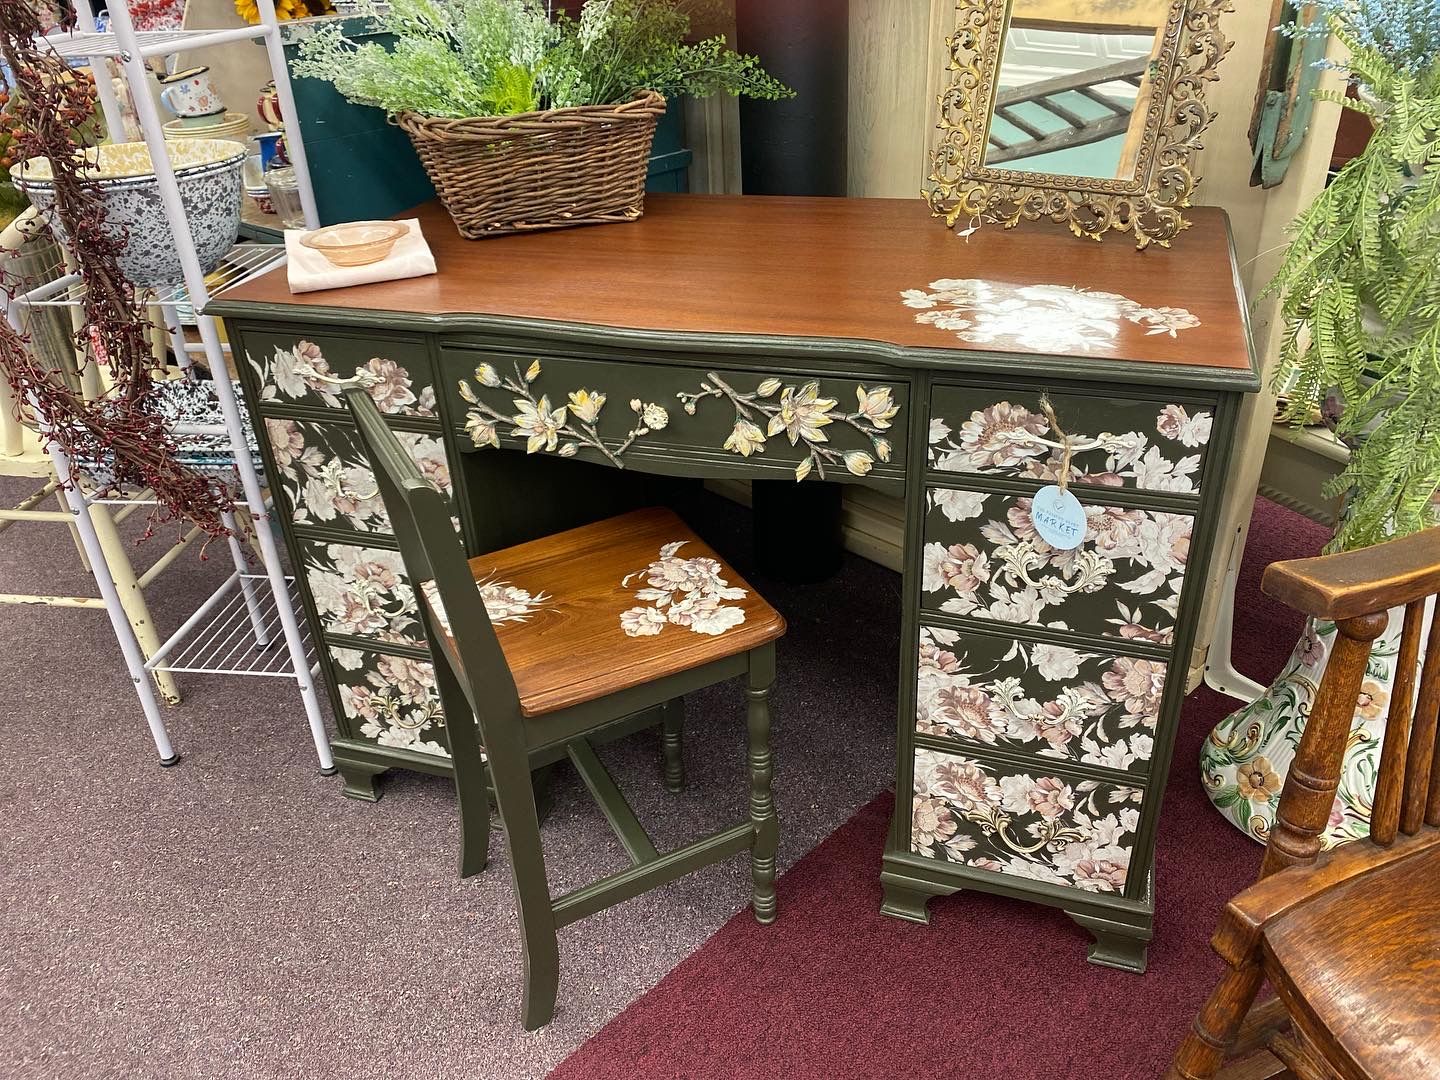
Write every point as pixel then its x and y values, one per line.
pixel 248 626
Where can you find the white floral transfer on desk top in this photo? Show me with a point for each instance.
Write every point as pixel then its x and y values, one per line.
pixel 682 592
pixel 1042 318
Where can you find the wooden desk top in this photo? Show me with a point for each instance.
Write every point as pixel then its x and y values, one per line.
pixel 849 269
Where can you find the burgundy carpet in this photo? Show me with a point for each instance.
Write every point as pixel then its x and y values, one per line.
pixel 992 988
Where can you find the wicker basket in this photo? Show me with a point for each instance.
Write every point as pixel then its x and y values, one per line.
pixel 539 170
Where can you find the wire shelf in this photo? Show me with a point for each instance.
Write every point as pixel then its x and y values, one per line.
pixel 242 263
pixel 220 638
pixel 77 44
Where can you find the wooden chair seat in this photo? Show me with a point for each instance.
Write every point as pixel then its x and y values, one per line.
pixel 1385 923
pixel 587 613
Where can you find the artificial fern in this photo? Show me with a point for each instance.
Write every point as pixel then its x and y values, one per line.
pixel 457 58
pixel 1360 282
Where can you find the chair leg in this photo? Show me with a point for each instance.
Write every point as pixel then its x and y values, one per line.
pixel 1213 1031
pixel 762 800
pixel 472 793
pixel 672 738
pixel 541 952
pixel 474 833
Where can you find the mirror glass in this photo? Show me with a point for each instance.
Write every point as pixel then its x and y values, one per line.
pixel 1074 86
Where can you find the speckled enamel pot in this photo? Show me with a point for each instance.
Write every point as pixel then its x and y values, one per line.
pixel 207 172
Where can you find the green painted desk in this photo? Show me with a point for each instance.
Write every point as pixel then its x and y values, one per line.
pixel 851 340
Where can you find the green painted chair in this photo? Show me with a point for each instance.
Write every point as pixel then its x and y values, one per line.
pixel 549 644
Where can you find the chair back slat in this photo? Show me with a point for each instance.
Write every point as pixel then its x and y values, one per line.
pixel 1422 739
pixel 433 552
pixel 1390 782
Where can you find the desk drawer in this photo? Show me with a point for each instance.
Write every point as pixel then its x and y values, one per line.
pixel 312 370
pixel 1143 445
pixel 983 560
pixel 829 426
pixel 1051 701
pixel 326 478
pixel 1035 824
pixel 361 592
pixel 390 700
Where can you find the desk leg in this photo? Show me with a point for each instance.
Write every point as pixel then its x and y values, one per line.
pixel 362 778
pixel 905 902
pixel 1122 945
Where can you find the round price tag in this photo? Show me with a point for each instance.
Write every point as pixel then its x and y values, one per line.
pixel 1058 518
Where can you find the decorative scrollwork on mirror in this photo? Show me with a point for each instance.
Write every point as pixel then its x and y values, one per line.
pixel 992 159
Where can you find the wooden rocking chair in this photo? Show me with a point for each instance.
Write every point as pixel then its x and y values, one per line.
pixel 1349 940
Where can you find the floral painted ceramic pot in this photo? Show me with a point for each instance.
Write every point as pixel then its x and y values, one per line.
pixel 1244 762
pixel 207 172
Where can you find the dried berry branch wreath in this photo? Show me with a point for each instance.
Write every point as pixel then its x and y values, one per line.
pixel 121 429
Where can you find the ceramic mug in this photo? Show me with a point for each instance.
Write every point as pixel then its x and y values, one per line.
pixel 268 106
pixel 190 93
pixel 268 143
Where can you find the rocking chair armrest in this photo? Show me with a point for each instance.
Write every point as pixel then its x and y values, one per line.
pixel 1354 583
pixel 1249 912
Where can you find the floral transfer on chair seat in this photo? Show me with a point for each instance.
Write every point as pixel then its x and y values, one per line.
pixel 682 592
pixel 504 603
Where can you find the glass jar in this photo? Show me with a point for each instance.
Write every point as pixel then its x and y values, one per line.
pixel 285 196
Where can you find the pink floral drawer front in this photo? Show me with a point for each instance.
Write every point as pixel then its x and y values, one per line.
pixel 1114 442
pixel 1036 698
pixel 1033 824
pixel 327 479
pixel 314 371
pixel 361 592
pixel 390 700
pixel 983 559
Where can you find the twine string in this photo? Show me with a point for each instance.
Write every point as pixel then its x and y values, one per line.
pixel 1063 480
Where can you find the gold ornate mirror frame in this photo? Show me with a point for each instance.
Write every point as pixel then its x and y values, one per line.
pixel 1149 204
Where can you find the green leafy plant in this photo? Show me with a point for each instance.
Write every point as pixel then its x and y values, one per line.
pixel 1360 287
pixel 459 58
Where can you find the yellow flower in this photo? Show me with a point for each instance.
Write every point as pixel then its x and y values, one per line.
pixel 538 424
pixel 487 375
pixel 803 414
pixel 859 462
pixel 586 405
pixel 768 387
pixel 481 430
pixel 1258 780
pixel 746 439
pixel 876 406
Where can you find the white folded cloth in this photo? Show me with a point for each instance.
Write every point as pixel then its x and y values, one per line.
pixel 310 271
